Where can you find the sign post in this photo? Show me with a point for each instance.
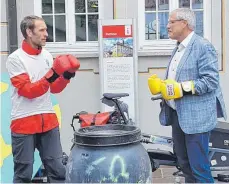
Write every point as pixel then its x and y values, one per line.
pixel 118 61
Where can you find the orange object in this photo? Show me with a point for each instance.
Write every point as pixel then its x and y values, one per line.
pixel 94 119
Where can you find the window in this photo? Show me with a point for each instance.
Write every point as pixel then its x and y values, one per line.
pixel 53 12
pixel 153 19
pixel 70 22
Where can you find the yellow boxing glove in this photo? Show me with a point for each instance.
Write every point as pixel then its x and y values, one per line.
pixel 170 89
pixel 154 84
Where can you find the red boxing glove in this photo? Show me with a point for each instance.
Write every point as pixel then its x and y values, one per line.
pixel 61 64
pixel 75 64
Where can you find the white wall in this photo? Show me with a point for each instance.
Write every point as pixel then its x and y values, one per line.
pixel 83 93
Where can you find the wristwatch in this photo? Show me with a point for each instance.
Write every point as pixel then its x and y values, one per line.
pixel 188 86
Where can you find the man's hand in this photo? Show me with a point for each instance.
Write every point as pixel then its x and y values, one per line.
pixel 170 89
pixel 154 84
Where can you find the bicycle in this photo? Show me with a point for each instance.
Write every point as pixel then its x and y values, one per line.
pixel 120 115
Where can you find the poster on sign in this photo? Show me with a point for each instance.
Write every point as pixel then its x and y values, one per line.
pixel 118 61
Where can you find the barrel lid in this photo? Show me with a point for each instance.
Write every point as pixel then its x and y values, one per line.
pixel 107 135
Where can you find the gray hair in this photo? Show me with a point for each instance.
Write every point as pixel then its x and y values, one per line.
pixel 186 14
pixel 28 23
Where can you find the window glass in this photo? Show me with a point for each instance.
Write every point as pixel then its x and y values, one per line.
pixel 199 23
pixel 55 20
pixel 46 6
pixel 150 5
pixel 163 5
pixel 197 4
pixel 92 5
pixel 184 3
pixel 197 7
pixel 156 19
pixel 163 20
pixel 60 28
pixel 49 24
pixel 92 27
pixel 59 6
pixel 151 26
pixel 80 6
pixel 86 15
pixel 80 27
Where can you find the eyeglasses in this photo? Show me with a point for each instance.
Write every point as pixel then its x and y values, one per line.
pixel 174 21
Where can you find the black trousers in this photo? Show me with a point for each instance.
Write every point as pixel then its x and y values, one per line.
pixel 50 150
pixel 192 153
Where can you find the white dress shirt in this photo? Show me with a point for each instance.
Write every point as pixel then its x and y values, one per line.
pixel 175 62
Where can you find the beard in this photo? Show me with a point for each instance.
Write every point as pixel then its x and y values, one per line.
pixel 38 44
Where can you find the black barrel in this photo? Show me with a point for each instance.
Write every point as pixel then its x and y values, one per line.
pixel 108 154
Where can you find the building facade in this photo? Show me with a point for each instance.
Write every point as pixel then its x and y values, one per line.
pixel 72 28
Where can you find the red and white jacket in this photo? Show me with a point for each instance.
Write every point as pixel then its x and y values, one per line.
pixel 32 109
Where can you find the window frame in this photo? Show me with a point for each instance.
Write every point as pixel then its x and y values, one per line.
pixel 82 47
pixel 165 47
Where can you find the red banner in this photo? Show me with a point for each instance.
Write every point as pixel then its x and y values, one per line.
pixel 117 31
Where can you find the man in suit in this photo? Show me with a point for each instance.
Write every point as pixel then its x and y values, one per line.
pixel 192 98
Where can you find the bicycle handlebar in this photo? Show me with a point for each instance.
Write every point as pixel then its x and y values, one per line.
pixel 156 97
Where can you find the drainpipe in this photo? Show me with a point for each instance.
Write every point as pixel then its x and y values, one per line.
pixel 12 25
